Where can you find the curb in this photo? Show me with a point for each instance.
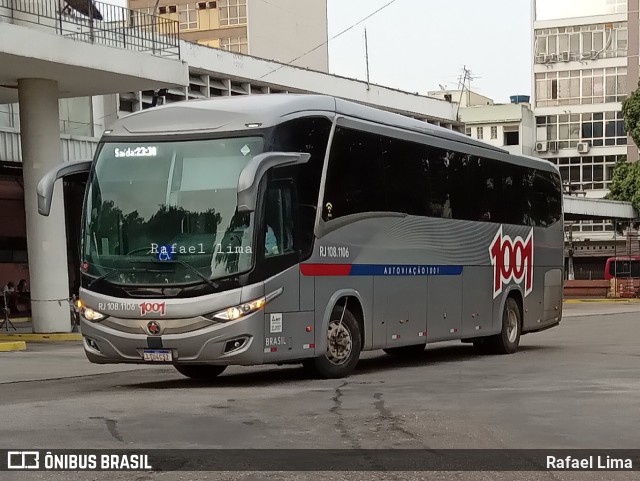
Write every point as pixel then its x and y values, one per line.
pixel 13 346
pixel 69 336
pixel 603 301
pixel 19 320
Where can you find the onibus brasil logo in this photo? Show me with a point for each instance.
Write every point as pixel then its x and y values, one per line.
pixel 512 260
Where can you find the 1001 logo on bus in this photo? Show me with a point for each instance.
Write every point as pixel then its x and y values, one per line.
pixel 153 308
pixel 512 260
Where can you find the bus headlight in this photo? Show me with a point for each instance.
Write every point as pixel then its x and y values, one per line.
pixel 91 315
pixel 236 312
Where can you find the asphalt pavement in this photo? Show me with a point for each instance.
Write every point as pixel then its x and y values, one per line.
pixel 574 386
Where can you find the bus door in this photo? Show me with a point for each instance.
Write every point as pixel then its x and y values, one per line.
pixel 288 332
pixel 74 175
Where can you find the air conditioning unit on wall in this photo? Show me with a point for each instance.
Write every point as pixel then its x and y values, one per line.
pixel 583 147
pixel 541 146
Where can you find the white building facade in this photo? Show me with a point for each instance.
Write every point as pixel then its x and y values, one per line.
pixel 508 126
pixel 580 50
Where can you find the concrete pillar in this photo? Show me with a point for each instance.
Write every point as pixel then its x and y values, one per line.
pixel 110 111
pixel 46 236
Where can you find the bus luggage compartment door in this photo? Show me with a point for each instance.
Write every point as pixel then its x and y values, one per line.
pixel 444 308
pixel 399 303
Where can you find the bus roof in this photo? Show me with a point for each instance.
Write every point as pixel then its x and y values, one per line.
pixel 246 112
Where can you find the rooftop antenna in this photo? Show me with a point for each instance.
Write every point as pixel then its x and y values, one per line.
pixel 465 79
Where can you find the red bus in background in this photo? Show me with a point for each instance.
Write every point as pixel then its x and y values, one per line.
pixel 627 267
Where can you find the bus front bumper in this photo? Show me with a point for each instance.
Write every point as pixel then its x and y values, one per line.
pixel 238 342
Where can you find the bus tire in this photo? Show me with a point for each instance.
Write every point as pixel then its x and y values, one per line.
pixel 200 372
pixel 508 340
pixel 343 348
pixel 405 351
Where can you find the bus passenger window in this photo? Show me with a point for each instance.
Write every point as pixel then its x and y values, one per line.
pixel 279 225
pixel 355 178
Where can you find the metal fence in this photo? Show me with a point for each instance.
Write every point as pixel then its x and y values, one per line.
pixel 98 23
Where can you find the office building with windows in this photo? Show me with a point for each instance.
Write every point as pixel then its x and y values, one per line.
pixel 580 78
pixel 287 31
pixel 585 63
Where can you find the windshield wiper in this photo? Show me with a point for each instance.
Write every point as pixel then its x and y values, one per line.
pixel 193 269
pixel 109 274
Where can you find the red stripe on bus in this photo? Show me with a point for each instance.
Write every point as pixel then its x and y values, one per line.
pixel 318 270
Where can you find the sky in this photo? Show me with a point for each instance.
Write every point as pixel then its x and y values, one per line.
pixel 417 45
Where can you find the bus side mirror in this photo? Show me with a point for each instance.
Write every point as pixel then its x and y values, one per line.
pixel 254 171
pixel 46 185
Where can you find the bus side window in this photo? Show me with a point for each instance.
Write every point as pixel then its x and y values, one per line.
pixel 355 177
pixel 279 220
pixel 438 163
pixel 309 135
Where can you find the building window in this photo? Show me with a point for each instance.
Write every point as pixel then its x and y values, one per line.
pixel 142 16
pixel 188 16
pixel 588 86
pixel 584 42
pixel 235 44
pixel 512 137
pixel 233 12
pixel 8 115
pixel 598 129
pixel 467 131
pixel 76 116
pixel 494 132
pixel 480 132
pixel 588 172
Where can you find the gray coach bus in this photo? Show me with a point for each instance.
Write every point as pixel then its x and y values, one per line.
pixel 304 228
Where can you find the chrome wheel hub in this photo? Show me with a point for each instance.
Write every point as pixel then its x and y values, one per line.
pixel 340 343
pixel 512 326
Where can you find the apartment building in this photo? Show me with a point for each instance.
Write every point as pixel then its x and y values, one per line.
pixel 287 31
pixel 580 78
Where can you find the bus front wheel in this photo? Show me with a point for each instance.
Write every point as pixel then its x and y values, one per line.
pixel 343 347
pixel 200 372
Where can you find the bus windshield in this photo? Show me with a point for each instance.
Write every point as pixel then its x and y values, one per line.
pixel 162 213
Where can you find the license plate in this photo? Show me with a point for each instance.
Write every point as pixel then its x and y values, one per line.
pixel 157 355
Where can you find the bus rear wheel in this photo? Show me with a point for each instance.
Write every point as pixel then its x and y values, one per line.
pixel 508 340
pixel 343 347
pixel 200 372
pixel 405 351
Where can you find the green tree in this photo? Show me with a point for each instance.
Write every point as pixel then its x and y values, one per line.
pixel 631 112
pixel 625 184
